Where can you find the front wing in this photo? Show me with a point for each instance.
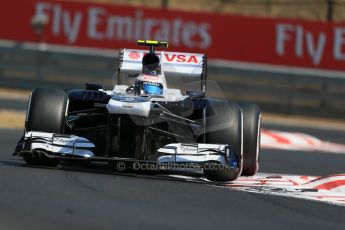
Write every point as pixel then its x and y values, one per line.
pixel 71 147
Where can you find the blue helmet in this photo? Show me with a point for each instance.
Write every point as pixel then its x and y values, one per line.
pixel 149 83
pixel 152 88
pixel 144 87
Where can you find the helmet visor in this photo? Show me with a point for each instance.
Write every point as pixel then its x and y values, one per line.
pixel 153 88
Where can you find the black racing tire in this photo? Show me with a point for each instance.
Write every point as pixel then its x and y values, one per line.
pixel 223 125
pixel 47 110
pixel 251 138
pixel 46 113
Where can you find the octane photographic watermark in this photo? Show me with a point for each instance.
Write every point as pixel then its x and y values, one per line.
pixel 121 166
pixel 151 166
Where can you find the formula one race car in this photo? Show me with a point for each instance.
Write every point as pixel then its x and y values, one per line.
pixel 145 122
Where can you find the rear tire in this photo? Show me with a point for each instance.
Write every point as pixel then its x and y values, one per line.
pixel 46 113
pixel 223 122
pixel 251 138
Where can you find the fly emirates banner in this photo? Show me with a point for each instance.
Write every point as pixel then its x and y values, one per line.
pixel 294 43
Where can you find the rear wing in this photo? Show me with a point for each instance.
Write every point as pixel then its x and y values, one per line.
pixel 184 64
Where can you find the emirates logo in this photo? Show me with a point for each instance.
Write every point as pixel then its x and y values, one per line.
pixel 134 55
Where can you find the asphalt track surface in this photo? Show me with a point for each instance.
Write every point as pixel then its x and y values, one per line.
pixel 80 197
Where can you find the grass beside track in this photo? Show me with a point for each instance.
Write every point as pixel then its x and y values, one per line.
pixel 10 119
pixel 14 94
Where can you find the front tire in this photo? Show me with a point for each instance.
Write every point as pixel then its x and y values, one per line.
pixel 46 113
pixel 251 138
pixel 223 122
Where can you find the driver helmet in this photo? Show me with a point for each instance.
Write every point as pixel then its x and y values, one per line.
pixel 149 85
pixel 150 82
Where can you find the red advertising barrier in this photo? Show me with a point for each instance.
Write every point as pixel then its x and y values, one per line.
pixel 257 40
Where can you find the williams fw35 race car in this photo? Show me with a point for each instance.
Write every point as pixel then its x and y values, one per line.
pixel 145 122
